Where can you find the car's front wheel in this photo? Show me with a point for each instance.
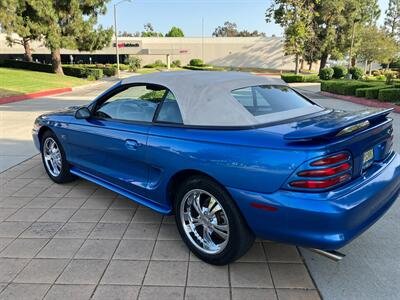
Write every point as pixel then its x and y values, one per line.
pixel 210 223
pixel 54 159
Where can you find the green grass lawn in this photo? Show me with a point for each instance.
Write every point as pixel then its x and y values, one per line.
pixel 17 82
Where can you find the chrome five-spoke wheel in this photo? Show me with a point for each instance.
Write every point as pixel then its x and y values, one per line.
pixel 204 221
pixel 52 156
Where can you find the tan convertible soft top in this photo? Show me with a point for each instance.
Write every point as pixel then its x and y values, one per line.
pixel 204 97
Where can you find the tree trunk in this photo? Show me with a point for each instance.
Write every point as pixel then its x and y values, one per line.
pixel 302 64
pixel 56 61
pixel 296 71
pixel 28 51
pixel 324 59
pixel 353 61
pixel 370 69
pixel 310 66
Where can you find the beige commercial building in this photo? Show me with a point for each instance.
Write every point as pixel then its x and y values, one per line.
pixel 258 52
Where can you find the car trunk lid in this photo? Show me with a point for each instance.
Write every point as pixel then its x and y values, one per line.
pixel 366 134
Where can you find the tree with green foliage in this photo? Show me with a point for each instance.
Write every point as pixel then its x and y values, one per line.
pixel 175 32
pixel 377 46
pixel 71 25
pixel 18 17
pixel 149 31
pixel 229 29
pixel 336 21
pixel 392 20
pixel 296 19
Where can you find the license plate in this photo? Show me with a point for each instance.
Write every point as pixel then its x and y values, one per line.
pixel 368 158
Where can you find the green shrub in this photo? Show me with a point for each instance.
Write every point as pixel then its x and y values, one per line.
pixel 134 63
pixel 109 71
pixel 91 78
pixel 377 72
pixel 356 73
pixel 122 67
pixel 196 62
pixel 339 71
pixel 390 95
pixel 360 92
pixel 390 76
pixel 289 77
pixel 18 64
pixel 75 71
pixel 204 68
pixel 97 73
pixel 176 63
pixel 157 64
pixel 326 73
pixel 345 87
pixel 373 92
pixel 82 72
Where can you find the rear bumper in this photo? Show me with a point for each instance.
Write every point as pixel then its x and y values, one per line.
pixel 325 221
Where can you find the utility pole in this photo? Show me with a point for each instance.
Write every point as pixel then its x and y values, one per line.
pixel 116 33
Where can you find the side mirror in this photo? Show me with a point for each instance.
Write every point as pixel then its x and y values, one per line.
pixel 83 113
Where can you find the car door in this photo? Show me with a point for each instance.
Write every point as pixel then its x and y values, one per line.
pixel 112 144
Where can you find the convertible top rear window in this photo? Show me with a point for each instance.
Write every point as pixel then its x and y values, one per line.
pixel 273 102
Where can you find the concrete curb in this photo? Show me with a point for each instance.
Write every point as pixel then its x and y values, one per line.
pixel 23 97
pixel 364 101
pixel 45 93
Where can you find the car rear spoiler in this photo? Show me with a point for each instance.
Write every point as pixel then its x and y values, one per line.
pixel 338 125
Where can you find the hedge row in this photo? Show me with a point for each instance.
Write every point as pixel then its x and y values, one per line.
pixel 371 92
pixel 204 68
pixel 81 71
pixel 18 64
pixel 345 87
pixel 390 95
pixel 288 77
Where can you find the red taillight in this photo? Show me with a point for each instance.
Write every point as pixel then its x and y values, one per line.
pixel 325 172
pixel 329 176
pixel 320 184
pixel 330 160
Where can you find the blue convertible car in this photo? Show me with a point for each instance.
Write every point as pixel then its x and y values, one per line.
pixel 233 156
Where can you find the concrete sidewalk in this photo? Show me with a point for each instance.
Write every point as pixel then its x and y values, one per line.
pixel 80 241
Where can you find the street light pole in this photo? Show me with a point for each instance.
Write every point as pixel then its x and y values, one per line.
pixel 116 33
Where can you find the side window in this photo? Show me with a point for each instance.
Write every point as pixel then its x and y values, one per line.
pixel 136 103
pixel 169 111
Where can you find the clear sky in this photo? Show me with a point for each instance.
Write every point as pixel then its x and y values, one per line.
pixel 188 15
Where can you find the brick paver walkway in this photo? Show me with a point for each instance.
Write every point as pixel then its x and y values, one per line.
pixel 80 241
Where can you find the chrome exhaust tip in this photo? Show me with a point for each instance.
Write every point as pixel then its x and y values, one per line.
pixel 331 254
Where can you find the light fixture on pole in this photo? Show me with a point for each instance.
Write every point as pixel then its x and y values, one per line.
pixel 116 32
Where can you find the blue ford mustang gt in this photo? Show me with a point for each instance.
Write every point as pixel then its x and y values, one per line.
pixel 233 156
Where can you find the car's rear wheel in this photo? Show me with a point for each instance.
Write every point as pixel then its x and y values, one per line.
pixel 54 160
pixel 210 223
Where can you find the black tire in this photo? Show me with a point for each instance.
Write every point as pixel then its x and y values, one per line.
pixel 240 238
pixel 64 175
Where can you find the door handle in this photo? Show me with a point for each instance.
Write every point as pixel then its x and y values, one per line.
pixel 132 144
